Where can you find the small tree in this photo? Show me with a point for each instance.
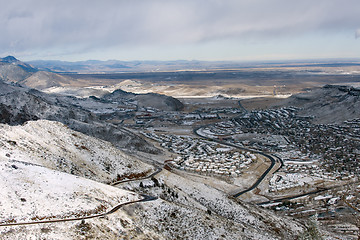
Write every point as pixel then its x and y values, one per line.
pixel 312 231
pixel 356 214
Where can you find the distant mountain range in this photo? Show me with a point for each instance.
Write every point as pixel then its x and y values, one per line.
pixel 115 66
pixel 19 104
pixel 15 71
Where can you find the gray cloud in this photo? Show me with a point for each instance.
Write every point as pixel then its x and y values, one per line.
pixel 357 33
pixel 81 25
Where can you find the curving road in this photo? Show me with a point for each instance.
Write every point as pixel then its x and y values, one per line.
pixel 313 192
pixel 158 170
pixel 261 178
pixel 114 209
pixel 294 196
pixel 146 198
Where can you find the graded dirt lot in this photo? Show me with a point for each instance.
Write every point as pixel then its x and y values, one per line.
pixel 260 102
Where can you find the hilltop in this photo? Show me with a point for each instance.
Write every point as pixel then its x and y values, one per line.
pixel 13 70
pixel 153 100
pixel 328 104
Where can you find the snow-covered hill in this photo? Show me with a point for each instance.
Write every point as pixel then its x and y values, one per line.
pixel 53 145
pixel 13 70
pixel 185 194
pixel 38 164
pixel 20 104
pixel 34 159
pixel 42 80
pixel 31 192
pixel 329 104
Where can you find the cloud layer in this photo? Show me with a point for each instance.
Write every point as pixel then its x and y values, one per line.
pixel 84 25
pixel 357 33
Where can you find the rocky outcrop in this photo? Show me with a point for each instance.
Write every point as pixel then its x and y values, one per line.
pixel 348 89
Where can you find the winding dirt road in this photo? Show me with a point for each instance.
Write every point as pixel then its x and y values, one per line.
pixel 146 198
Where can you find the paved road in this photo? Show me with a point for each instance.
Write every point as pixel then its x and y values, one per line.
pixel 242 107
pixel 294 196
pixel 319 190
pixel 261 178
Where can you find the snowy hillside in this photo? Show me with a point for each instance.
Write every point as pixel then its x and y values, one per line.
pixel 32 193
pixel 53 145
pixel 185 194
pixel 329 104
pixel 20 104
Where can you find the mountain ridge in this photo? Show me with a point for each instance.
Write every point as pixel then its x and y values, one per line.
pixel 328 104
pixel 20 104
pixel 153 100
pixel 13 70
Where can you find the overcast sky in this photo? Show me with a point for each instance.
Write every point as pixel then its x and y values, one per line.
pixel 179 29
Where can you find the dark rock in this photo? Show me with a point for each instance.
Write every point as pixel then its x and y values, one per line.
pixel 148 100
